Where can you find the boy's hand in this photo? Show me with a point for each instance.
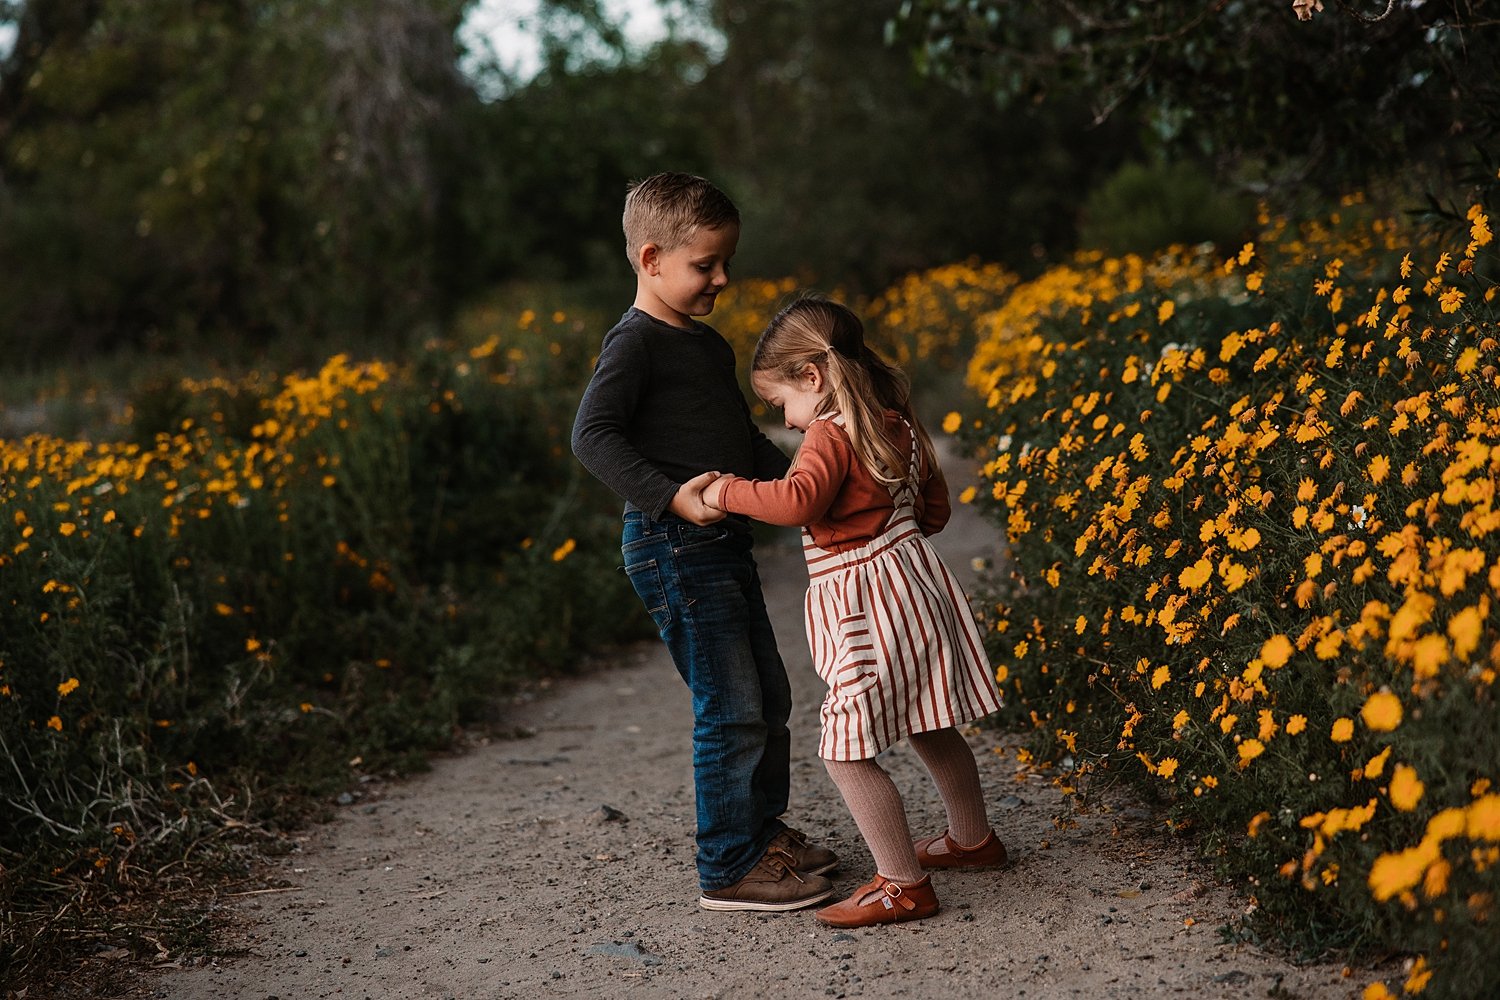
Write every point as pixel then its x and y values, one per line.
pixel 688 502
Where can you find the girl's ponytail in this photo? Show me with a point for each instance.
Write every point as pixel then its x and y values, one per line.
pixel 862 385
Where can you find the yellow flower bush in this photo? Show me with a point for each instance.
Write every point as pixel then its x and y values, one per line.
pixel 266 578
pixel 1255 556
pixel 928 322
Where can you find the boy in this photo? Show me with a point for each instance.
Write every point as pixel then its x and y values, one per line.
pixel 663 406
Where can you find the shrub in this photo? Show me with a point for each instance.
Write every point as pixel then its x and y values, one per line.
pixel 1252 525
pixel 1144 208
pixel 278 585
pixel 925 323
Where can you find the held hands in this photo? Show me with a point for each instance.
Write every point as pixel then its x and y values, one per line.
pixel 688 502
pixel 714 492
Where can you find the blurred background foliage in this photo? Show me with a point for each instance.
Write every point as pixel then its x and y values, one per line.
pixel 182 174
pixel 237 174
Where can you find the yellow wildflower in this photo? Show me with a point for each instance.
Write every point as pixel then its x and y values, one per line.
pixel 1483 819
pixel 1276 651
pixel 1395 873
pixel 1249 750
pixel 1406 788
pixel 1382 711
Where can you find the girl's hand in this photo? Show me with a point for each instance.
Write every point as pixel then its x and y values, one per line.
pixel 713 493
pixel 688 503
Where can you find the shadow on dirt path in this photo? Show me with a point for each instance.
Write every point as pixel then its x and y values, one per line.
pixel 560 865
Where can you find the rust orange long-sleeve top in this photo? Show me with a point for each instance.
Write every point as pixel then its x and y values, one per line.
pixel 832 494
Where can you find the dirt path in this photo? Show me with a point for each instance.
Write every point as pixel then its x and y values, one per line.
pixel 560 865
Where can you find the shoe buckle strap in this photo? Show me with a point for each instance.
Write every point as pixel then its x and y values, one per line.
pixel 896 894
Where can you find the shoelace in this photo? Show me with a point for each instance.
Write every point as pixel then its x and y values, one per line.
pixel 781 864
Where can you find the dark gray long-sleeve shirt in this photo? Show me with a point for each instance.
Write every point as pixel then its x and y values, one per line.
pixel 663 406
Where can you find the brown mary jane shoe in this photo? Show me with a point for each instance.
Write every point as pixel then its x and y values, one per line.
pixel 945 852
pixel 882 902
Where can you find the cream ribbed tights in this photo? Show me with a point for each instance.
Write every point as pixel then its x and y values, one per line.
pixel 879 813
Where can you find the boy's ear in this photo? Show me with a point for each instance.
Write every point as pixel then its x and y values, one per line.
pixel 649 259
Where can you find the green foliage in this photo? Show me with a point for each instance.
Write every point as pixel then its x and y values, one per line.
pixel 174 172
pixel 1331 103
pixel 852 172
pixel 248 177
pixel 1147 208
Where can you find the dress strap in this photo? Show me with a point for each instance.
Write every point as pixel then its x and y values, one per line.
pixel 905 492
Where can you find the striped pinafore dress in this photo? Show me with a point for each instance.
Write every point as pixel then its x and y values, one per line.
pixel 892 636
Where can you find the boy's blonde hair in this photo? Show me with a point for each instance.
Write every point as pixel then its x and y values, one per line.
pixel 862 384
pixel 668 208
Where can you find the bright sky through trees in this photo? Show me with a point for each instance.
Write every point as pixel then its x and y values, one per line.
pixel 507 28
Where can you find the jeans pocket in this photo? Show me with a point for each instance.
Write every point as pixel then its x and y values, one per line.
pixel 691 536
pixel 645 577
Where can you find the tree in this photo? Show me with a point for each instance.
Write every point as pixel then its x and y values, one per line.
pixel 248 168
pixel 1346 98
pixel 571 140
pixel 853 170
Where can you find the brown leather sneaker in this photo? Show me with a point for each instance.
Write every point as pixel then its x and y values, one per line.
pixel 808 858
pixel 944 852
pixel 882 902
pixel 773 884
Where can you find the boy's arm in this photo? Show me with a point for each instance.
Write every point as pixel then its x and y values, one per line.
pixel 770 461
pixel 806 493
pixel 599 438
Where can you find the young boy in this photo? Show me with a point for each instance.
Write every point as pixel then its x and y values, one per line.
pixel 662 407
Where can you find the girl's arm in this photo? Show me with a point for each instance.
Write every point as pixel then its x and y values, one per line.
pixel 936 508
pixel 804 496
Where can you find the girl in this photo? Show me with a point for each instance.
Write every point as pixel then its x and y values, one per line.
pixel 890 629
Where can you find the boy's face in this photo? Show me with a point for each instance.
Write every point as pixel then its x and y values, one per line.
pixel 677 284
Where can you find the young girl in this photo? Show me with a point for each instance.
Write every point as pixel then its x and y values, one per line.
pixel 890 629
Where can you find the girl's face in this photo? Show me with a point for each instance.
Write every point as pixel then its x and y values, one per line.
pixel 798 400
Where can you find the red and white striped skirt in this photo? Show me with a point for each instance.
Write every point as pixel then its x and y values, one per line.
pixel 893 638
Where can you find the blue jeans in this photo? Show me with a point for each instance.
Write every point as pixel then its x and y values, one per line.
pixel 702 589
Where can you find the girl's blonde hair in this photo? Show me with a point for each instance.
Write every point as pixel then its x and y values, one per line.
pixel 862 385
